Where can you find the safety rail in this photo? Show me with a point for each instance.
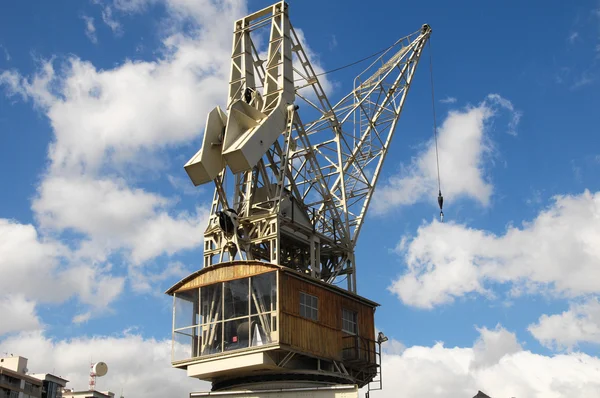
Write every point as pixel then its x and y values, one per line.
pixel 359 349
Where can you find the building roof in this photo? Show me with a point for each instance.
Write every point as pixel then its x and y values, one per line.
pixel 287 270
pixel 50 377
pixel 21 376
pixel 88 393
pixel 481 395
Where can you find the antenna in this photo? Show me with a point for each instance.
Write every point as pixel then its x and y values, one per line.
pixel 97 369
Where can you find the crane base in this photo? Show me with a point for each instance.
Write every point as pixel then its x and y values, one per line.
pixel 337 391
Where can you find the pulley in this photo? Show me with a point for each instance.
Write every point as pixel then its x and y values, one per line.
pixel 228 221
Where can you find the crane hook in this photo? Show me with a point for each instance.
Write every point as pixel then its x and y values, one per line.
pixel 441 203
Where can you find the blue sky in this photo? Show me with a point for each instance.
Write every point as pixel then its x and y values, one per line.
pixel 103 102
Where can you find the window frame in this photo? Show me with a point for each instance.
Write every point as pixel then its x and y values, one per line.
pixel 202 322
pixel 309 308
pixel 353 321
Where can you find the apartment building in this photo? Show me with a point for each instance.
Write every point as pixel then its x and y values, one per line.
pixel 14 380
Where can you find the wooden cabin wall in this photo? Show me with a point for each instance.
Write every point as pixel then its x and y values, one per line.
pixel 322 338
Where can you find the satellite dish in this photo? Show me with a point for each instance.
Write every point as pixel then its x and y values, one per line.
pixel 100 369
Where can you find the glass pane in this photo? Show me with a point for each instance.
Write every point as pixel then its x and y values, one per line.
pixel 211 303
pixel 210 341
pixel 236 298
pixel 260 330
pixel 186 308
pixel 264 293
pixel 236 334
pixel 185 344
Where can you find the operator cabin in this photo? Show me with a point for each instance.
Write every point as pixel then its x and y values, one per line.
pixel 244 322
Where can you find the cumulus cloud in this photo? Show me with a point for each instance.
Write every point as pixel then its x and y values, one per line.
pixel 18 314
pixel 110 130
pixel 149 375
pixel 579 324
pixel 464 145
pixel 113 116
pixel 492 346
pixel 495 364
pixel 556 253
pixel 35 267
pixel 123 217
pixel 38 270
pixel 327 85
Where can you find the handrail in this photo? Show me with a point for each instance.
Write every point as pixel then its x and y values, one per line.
pixel 360 348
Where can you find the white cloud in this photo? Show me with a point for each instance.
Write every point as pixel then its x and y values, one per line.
pixel 496 365
pixel 143 282
pixel 572 37
pixel 393 347
pixel 114 116
pixel 113 24
pixel 122 217
pixel 464 144
pixel 327 85
pixel 110 129
pixel 515 115
pixel 38 270
pixel 149 375
pixel 17 314
pixel 44 270
pixel 82 318
pixel 585 79
pixel 492 346
pixel 6 54
pixel 580 324
pixel 556 253
pixel 90 29
pixel 333 42
pixel 535 199
pixel 448 100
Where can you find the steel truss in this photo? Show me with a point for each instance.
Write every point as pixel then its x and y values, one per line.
pixel 303 201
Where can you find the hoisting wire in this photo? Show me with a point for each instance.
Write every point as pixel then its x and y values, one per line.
pixel 353 63
pixel 437 156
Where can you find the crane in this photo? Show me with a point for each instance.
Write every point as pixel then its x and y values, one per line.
pixel 288 191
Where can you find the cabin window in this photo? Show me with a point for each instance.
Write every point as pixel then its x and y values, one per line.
pixel 309 306
pixel 225 316
pixel 349 321
pixel 186 309
pixel 236 298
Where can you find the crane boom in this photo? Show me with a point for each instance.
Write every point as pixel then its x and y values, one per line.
pixel 377 119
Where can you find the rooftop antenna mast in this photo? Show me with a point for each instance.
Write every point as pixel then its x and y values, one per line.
pixel 97 369
pixel 297 192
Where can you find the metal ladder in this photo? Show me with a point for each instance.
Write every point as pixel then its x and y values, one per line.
pixel 377 383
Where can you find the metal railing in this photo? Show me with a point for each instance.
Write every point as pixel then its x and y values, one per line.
pixel 359 349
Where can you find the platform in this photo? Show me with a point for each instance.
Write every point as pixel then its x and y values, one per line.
pixel 341 391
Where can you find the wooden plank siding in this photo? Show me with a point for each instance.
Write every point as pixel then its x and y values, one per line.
pixel 226 273
pixel 323 338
